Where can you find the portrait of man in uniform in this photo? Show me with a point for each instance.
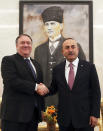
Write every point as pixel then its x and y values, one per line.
pixel 51 50
pixel 49 24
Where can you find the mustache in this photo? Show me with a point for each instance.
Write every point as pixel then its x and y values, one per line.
pixel 71 53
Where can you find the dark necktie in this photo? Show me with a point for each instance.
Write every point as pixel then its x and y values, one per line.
pixel 31 67
pixel 71 76
pixel 52 49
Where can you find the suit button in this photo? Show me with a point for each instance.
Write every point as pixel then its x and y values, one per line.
pixel 70 93
pixel 51 69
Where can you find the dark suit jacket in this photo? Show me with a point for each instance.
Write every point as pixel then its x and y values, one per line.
pixel 83 101
pixel 19 96
pixel 42 56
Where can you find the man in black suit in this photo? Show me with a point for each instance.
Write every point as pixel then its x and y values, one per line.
pixel 77 84
pixel 21 104
pixel 49 54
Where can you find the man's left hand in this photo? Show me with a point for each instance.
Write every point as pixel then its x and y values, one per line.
pixel 93 121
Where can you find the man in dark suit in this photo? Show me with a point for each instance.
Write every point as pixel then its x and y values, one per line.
pixel 49 53
pixel 77 84
pixel 21 104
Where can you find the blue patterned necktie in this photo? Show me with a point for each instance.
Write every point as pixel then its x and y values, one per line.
pixel 31 67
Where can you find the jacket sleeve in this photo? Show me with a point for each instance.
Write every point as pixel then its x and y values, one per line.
pixel 95 93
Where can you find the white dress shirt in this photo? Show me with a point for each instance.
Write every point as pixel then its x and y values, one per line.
pixel 67 68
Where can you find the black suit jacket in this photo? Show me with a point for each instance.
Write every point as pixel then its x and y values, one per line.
pixel 19 98
pixel 42 56
pixel 83 101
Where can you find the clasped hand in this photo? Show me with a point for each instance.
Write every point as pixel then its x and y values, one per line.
pixel 42 89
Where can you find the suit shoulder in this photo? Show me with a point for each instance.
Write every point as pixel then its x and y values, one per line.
pixel 8 57
pixel 86 63
pixel 7 61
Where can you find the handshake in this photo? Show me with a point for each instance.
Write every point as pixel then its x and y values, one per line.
pixel 42 89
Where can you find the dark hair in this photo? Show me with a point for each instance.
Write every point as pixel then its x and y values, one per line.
pixel 21 36
pixel 70 39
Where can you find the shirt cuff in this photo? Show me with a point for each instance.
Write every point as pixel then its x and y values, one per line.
pixel 36 87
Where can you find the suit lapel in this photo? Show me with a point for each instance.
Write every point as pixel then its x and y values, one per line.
pixel 24 65
pixel 36 67
pixel 79 73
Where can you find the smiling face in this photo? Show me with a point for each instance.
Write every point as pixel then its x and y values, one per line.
pixel 53 29
pixel 24 46
pixel 70 49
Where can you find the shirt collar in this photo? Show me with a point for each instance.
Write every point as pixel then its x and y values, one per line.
pixel 56 38
pixel 54 44
pixel 75 62
pixel 27 58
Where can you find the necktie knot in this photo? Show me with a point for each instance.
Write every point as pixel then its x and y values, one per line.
pixel 27 60
pixel 70 65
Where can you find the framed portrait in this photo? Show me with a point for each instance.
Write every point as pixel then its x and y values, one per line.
pixel 77 22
